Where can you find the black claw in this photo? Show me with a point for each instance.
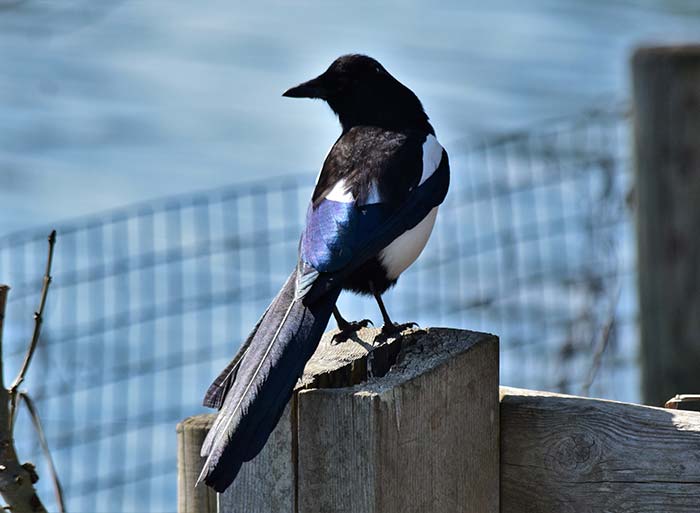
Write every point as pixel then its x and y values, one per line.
pixel 394 329
pixel 349 329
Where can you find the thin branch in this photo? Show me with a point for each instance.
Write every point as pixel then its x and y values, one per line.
pixel 58 489
pixel 16 481
pixel 4 289
pixel 602 344
pixel 38 318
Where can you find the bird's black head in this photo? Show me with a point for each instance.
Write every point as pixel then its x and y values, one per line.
pixel 361 92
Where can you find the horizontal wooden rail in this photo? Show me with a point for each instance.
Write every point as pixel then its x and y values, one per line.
pixel 571 454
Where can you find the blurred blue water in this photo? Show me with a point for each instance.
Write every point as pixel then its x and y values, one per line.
pixel 106 103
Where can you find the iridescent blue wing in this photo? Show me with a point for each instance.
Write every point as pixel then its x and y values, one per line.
pixel 366 202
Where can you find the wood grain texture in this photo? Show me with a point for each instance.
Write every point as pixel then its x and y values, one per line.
pixel 423 438
pixel 266 483
pixel 190 436
pixel 354 361
pixel 573 455
pixel 666 84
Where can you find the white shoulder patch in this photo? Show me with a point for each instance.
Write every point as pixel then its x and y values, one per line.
pixel 432 155
pixel 340 193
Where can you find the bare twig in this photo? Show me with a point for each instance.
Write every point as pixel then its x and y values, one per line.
pixel 602 344
pixel 38 318
pixel 4 289
pixel 58 489
pixel 16 480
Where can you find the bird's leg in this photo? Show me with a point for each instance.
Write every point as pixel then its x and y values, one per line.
pixel 390 328
pixel 347 329
pixel 385 315
pixel 342 323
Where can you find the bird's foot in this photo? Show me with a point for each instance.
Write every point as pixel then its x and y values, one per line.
pixel 393 330
pixel 348 330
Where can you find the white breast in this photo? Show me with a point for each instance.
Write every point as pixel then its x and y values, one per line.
pixel 404 250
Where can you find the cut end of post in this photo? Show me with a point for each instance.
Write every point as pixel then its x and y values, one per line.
pixel 365 355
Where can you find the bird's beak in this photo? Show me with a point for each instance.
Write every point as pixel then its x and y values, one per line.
pixel 314 88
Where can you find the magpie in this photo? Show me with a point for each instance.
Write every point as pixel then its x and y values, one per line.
pixel 370 216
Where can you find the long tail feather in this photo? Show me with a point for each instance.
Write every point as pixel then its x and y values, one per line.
pixel 263 381
pixel 216 393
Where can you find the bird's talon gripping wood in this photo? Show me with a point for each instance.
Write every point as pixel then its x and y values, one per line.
pixel 370 216
pixel 349 330
pixel 394 330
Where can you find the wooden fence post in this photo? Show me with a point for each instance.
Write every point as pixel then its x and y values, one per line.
pixel 407 426
pixel 666 84
pixel 190 436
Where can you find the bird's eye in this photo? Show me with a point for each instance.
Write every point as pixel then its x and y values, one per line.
pixel 378 69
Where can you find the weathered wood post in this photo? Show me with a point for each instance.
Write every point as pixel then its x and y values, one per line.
pixel 407 426
pixel 666 84
pixel 190 436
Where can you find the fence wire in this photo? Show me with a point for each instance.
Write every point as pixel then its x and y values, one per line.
pixel 534 243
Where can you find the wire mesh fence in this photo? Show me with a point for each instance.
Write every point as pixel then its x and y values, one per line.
pixel 534 243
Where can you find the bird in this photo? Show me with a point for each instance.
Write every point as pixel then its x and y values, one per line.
pixel 370 215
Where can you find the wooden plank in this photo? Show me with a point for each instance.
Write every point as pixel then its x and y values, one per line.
pixel 423 438
pixel 573 454
pixel 667 134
